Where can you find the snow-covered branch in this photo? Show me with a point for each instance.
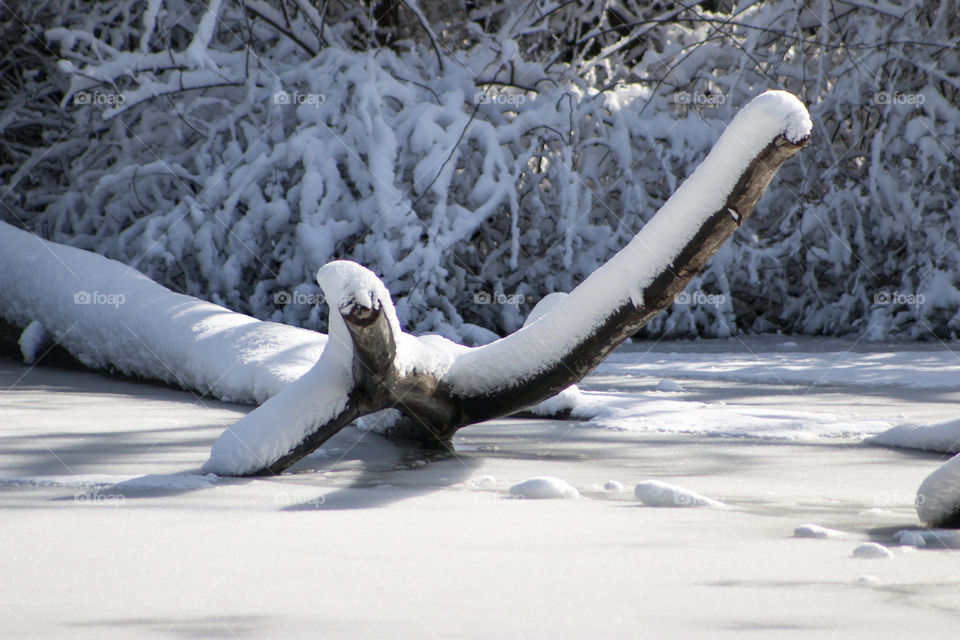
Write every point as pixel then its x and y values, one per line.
pixel 110 316
pixel 441 386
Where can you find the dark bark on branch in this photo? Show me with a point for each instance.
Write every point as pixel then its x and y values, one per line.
pixel 312 442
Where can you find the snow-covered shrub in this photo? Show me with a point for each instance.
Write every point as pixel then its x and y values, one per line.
pixel 479 159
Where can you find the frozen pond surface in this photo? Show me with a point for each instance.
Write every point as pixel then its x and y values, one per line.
pixel 108 529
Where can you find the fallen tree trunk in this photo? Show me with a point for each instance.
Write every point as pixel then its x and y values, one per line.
pixel 109 316
pixel 438 386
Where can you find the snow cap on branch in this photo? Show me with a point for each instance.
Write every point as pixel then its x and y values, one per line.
pixel 347 284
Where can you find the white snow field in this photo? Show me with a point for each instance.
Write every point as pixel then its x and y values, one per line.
pixel 110 530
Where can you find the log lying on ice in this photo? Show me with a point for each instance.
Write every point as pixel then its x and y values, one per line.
pixel 438 386
pixel 109 316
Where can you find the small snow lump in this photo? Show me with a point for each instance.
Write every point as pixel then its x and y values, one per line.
pixel 543 488
pixel 872 551
pixel 654 493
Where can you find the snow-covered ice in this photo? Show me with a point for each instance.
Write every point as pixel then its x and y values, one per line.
pixel 117 534
pixel 879 373
pixel 158 482
pixel 835 362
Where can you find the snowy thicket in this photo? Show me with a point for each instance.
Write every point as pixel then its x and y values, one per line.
pixel 479 160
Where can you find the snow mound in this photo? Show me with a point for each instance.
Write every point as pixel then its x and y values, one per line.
pixel 815 531
pixel 483 481
pixel 942 438
pixel 475 336
pixel 569 400
pixel 910 538
pixel 613 485
pixel 654 493
pixel 938 498
pixel 32 340
pixel 872 551
pixel 668 385
pixel 543 488
pixel 937 538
